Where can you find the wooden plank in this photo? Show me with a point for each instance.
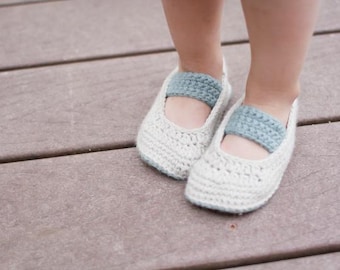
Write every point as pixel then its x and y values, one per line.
pixel 329 261
pixel 7 3
pixel 108 210
pixel 101 104
pixel 78 30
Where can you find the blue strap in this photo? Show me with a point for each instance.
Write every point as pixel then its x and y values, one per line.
pixel 195 85
pixel 258 126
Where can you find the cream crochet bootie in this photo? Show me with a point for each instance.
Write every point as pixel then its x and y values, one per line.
pixel 231 184
pixel 172 149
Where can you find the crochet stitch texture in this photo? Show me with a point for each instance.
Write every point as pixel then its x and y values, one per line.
pixel 258 126
pixel 231 184
pixel 172 149
pixel 196 85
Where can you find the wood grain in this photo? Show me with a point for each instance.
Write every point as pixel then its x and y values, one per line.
pixel 79 30
pixel 100 105
pixel 22 2
pixel 329 261
pixel 110 211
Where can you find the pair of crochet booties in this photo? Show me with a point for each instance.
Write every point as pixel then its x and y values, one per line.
pixel 216 179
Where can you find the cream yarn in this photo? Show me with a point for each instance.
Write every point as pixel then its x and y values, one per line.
pixel 172 149
pixel 230 184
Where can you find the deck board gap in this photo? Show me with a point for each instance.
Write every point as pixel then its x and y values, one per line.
pixel 65 152
pixel 128 54
pixel 319 121
pixel 26 3
pixel 122 145
pixel 260 260
pixel 86 59
pixel 327 32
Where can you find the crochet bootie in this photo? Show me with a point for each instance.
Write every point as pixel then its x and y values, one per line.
pixel 231 184
pixel 172 149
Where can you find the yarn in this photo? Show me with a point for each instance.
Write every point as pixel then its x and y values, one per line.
pixel 196 85
pixel 171 149
pixel 258 126
pixel 231 184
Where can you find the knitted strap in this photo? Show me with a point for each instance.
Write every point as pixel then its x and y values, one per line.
pixel 195 85
pixel 255 125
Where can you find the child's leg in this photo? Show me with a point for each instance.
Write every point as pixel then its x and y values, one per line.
pixel 279 33
pixel 195 29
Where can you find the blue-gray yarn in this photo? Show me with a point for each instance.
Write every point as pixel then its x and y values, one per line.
pixel 195 85
pixel 255 125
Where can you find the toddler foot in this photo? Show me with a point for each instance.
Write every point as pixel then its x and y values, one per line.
pixel 197 98
pixel 241 147
pixel 187 112
pixel 227 183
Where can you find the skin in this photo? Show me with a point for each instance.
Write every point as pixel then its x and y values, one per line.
pixel 279 32
pixel 195 27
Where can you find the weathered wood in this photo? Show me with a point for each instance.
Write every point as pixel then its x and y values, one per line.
pixel 74 30
pixel 6 3
pixel 101 104
pixel 110 211
pixel 329 261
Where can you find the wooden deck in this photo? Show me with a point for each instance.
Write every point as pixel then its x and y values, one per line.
pixel 76 79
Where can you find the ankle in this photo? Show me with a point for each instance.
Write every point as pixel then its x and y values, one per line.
pixel 211 65
pixel 275 93
pixel 275 100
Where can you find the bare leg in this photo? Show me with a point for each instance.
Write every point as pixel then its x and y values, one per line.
pixel 279 33
pixel 195 29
